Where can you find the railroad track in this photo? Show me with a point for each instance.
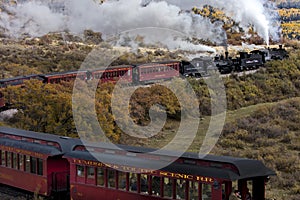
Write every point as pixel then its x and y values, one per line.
pixel 9 193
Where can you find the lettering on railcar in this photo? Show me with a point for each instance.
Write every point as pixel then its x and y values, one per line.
pixel 188 176
pixel 203 179
pixel 21 151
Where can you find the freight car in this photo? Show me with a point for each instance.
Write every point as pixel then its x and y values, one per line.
pixel 61 167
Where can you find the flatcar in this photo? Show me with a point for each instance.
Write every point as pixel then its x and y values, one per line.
pixel 54 165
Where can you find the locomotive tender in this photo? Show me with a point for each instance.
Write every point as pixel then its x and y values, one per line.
pixel 62 168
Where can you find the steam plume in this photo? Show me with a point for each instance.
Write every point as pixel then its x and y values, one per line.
pixel 259 13
pixel 37 18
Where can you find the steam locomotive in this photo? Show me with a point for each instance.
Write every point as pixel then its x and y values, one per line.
pixel 248 61
pixel 152 72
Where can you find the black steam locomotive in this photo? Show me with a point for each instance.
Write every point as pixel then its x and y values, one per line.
pixel 249 61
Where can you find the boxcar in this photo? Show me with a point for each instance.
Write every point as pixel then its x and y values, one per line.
pixel 33 161
pixel 128 175
pixel 152 72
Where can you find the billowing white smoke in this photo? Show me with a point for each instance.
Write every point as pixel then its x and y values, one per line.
pixel 160 37
pixel 37 18
pixel 259 13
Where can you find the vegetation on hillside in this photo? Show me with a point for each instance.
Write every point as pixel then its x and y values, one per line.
pixel 270 134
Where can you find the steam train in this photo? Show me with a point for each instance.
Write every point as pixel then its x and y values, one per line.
pixel 63 168
pixel 156 71
pixel 247 61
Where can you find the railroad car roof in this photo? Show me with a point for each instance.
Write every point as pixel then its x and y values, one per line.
pixel 158 63
pixel 66 144
pixel 29 146
pixel 63 73
pixel 246 167
pixel 18 78
pixel 111 67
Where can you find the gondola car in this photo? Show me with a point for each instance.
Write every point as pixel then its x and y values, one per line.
pixel 62 168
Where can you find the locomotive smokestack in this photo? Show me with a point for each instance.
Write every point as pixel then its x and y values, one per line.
pixel 226 55
pixel 242 55
pixel 280 46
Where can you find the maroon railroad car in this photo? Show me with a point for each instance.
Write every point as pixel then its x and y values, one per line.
pixel 113 74
pixel 152 72
pixel 33 161
pixel 15 81
pixel 64 76
pixel 127 175
pixel 61 167
pixel 19 80
pixel 2 101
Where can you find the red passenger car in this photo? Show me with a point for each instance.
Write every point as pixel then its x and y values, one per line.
pixel 19 80
pixel 64 76
pixel 114 73
pixel 33 161
pixel 152 72
pixel 15 81
pixel 128 176
pixel 61 167
pixel 2 101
